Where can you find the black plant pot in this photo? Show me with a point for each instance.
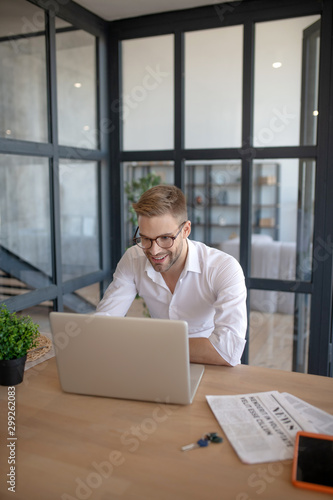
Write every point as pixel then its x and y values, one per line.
pixel 12 371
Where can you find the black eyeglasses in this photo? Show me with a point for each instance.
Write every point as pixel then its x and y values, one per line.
pixel 163 241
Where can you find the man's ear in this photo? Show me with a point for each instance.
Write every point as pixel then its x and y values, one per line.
pixel 187 229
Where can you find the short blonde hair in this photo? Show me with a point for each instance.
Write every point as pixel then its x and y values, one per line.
pixel 162 200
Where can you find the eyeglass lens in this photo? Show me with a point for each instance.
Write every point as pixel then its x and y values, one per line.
pixel 162 241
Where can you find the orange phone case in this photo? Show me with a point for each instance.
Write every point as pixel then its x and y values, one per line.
pixel 303 484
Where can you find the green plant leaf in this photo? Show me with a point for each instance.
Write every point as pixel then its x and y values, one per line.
pixel 136 188
pixel 18 334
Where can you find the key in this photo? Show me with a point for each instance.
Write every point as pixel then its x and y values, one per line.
pixel 202 443
pixel 213 437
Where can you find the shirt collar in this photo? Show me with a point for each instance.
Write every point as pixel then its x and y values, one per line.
pixel 192 261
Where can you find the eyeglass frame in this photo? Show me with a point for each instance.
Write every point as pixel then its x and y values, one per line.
pixel 155 239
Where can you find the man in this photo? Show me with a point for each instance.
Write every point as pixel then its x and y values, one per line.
pixel 181 279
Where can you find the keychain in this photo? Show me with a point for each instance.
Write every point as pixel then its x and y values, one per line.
pixel 212 437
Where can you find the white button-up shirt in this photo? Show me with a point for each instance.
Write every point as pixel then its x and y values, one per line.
pixel 210 295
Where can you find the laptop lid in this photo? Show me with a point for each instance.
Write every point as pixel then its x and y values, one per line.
pixel 130 358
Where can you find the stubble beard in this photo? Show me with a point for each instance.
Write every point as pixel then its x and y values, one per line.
pixel 166 264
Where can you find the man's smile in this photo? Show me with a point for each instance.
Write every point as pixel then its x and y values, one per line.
pixel 158 259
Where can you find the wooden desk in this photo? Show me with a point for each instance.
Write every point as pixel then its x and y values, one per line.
pixel 78 447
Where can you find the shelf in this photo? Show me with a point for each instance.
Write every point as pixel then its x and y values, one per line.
pixel 277 184
pixel 267 206
pixel 234 205
pixel 216 224
pixel 256 226
pixel 220 201
pixel 214 185
pixel 215 205
pixel 229 184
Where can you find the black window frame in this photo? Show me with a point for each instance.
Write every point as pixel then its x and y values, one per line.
pixel 81 19
pixel 248 14
pixel 111 157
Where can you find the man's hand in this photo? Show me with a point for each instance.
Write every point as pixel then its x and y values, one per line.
pixel 202 351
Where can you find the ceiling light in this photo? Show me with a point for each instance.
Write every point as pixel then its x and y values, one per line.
pixel 277 64
pixel 78 85
pixel 315 113
pixel 86 127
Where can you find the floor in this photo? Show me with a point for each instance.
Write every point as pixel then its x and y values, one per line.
pixel 271 340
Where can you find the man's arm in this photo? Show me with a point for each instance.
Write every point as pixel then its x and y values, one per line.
pixel 121 291
pixel 202 351
pixel 226 343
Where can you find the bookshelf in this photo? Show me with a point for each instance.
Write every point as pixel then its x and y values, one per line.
pixel 214 200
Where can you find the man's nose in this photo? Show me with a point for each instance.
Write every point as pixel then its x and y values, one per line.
pixel 154 249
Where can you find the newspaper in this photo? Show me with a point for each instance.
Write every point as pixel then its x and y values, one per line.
pixel 261 426
pixel 322 421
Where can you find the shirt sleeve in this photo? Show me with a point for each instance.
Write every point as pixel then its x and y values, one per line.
pixel 121 292
pixel 230 321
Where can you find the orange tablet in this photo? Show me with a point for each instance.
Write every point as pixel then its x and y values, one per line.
pixel 313 462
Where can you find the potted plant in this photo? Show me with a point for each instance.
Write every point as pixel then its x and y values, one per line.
pixel 18 334
pixel 136 188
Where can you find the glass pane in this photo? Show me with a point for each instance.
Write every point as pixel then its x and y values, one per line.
pixel 83 300
pixel 213 88
pixel 79 217
pixel 286 82
pixel 279 330
pixel 213 191
pixel 76 87
pixel 282 219
pixel 25 242
pixel 148 93
pixel 23 102
pixel 138 177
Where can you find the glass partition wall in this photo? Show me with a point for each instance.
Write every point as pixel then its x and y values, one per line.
pixel 244 151
pixel 286 215
pixel 231 103
pixel 51 162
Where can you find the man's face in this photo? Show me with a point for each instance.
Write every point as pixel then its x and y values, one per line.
pixel 163 259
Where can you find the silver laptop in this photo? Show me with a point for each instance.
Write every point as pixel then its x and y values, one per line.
pixel 130 358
